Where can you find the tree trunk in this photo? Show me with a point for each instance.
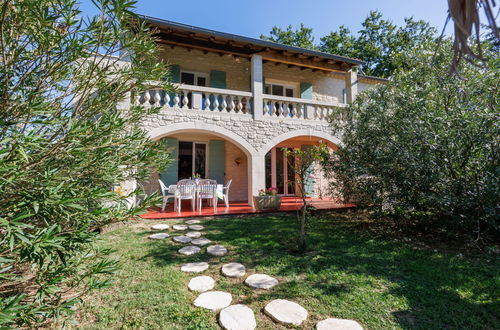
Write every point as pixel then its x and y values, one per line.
pixel 302 235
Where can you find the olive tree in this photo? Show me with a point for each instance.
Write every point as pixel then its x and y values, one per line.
pixel 68 135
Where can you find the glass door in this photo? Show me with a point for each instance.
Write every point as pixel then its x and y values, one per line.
pixel 192 159
pixel 279 171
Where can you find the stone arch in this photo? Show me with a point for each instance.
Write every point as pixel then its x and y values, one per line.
pixel 296 133
pixel 197 126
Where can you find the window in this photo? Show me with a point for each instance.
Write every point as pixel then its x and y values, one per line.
pixel 280 90
pixel 194 78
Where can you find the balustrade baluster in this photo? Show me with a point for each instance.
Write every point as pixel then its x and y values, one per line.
pixel 147 98
pixel 216 102
pixel 177 99
pixel 239 106
pixel 157 98
pixel 207 101
pixel 185 100
pixel 167 99
pixel 224 103
pixel 137 99
pixel 232 105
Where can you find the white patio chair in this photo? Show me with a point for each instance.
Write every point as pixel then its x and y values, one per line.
pixel 207 189
pixel 225 192
pixel 186 190
pixel 166 195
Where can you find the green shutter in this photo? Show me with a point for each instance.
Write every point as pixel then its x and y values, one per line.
pixel 217 160
pixel 309 184
pixel 306 90
pixel 169 175
pixel 217 79
pixel 175 73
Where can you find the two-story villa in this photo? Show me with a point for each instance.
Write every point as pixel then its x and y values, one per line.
pixel 240 103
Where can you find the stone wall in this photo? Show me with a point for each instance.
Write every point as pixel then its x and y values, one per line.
pixel 326 87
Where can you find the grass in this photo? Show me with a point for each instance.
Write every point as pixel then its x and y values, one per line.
pixel 380 281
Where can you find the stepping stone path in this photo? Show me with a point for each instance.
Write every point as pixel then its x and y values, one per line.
pixel 261 281
pixel 182 239
pixel 338 324
pixel 192 221
pixel 217 250
pixel 201 283
pixel 286 312
pixel 194 267
pixel 160 227
pixel 237 317
pixel 179 227
pixel 213 300
pixel 233 269
pixel 201 241
pixel 158 236
pixel 196 227
pixel 193 234
pixel 189 250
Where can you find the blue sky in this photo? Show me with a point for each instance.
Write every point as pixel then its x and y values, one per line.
pixel 252 18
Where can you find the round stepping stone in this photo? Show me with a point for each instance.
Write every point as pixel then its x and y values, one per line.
pixel 217 250
pixel 192 221
pixel 161 226
pixel 233 269
pixel 193 234
pixel 196 227
pixel 237 317
pixel 286 312
pixel 194 267
pixel 179 227
pixel 189 250
pixel 201 241
pixel 261 281
pixel 338 324
pixel 213 300
pixel 201 283
pixel 182 239
pixel 158 236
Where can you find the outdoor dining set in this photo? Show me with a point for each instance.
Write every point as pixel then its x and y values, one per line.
pixel 196 191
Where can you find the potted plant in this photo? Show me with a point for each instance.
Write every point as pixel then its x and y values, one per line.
pixel 267 199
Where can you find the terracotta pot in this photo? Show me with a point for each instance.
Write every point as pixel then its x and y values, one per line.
pixel 267 202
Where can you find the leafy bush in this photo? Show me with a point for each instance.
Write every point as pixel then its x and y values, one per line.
pixel 67 136
pixel 426 143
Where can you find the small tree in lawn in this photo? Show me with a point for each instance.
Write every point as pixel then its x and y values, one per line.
pixel 304 160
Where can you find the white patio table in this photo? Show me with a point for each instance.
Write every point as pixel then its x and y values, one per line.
pixel 220 195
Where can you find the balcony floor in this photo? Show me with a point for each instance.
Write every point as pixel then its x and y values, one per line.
pixel 288 204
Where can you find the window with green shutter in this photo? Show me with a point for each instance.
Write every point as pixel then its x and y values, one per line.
pixel 217 160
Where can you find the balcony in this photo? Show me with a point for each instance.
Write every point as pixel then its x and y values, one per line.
pixel 217 101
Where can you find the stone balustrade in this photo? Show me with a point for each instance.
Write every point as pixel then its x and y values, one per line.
pixel 197 98
pixel 218 100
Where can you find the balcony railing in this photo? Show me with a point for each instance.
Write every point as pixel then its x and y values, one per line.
pixel 218 100
pixel 295 108
pixel 197 98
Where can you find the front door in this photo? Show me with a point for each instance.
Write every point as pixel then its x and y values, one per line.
pixel 192 159
pixel 279 171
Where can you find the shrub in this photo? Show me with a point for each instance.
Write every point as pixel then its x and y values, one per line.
pixel 67 136
pixel 425 144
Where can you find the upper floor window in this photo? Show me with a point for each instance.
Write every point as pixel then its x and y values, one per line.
pixel 279 90
pixel 194 78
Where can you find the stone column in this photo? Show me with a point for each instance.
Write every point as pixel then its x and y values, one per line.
pixel 256 75
pixel 351 85
pixel 256 176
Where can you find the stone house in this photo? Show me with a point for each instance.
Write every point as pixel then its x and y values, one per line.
pixel 240 103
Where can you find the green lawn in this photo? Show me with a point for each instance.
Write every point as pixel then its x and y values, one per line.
pixel 383 283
